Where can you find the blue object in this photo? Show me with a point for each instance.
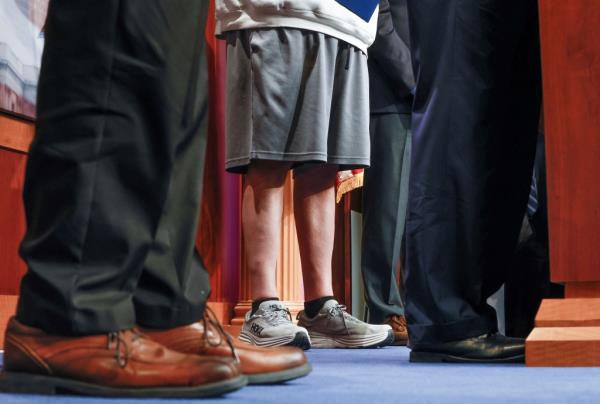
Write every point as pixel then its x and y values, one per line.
pixel 362 8
pixel 384 376
pixel 532 203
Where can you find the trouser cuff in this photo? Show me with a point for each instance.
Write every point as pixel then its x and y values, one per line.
pixel 378 316
pixel 162 317
pixel 455 331
pixel 74 322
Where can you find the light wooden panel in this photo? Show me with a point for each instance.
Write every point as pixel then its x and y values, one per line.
pixel 8 305
pixel 569 313
pixel 289 267
pixel 342 254
pixel 563 346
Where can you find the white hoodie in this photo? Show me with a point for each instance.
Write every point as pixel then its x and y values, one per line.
pixel 325 16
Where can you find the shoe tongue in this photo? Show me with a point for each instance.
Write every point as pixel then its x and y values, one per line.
pixel 270 304
pixel 329 304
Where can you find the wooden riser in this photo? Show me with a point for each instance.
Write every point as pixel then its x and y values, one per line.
pixel 569 313
pixel 567 334
pixel 563 347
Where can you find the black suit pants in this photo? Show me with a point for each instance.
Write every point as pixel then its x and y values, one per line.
pixel 475 116
pixel 114 175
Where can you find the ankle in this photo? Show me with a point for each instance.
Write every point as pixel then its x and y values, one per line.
pixel 257 302
pixel 312 307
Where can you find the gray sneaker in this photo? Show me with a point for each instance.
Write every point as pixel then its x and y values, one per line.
pixel 272 325
pixel 333 327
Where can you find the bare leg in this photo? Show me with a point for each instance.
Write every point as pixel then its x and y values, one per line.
pixel 314 211
pixel 262 208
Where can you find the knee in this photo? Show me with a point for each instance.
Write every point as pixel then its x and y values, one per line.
pixel 266 173
pixel 318 176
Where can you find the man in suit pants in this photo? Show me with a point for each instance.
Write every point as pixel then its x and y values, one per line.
pixel 112 196
pixel 385 191
pixel 475 116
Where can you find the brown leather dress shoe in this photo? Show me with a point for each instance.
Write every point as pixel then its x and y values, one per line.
pixel 123 364
pixel 398 324
pixel 261 365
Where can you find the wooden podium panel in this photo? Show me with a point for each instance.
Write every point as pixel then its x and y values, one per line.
pixel 12 217
pixel 15 137
pixel 567 331
pixel 571 70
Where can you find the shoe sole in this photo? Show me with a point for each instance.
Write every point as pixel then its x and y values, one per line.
pixel 26 383
pixel 433 357
pixel 280 376
pixel 300 340
pixel 323 341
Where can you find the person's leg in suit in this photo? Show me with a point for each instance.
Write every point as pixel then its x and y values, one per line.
pixel 142 186
pixel 119 124
pixel 476 63
pixel 385 195
pixel 174 284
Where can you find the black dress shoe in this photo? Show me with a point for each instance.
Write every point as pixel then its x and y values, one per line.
pixel 488 348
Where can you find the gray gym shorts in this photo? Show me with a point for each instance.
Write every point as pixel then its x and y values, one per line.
pixel 298 96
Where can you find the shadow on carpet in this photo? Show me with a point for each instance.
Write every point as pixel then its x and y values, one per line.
pixel 385 376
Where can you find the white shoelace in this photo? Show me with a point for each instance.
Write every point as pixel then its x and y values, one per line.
pixel 340 310
pixel 276 315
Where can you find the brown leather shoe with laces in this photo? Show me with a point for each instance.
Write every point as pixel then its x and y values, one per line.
pixel 122 364
pixel 398 324
pixel 262 365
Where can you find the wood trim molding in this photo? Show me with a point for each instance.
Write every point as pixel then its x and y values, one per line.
pixel 15 133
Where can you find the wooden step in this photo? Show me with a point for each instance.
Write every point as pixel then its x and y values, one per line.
pixel 563 347
pixel 583 312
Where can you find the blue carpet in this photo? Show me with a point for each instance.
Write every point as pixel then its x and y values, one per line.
pixel 386 376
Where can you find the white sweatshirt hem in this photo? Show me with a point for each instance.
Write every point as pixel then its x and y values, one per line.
pixel 300 19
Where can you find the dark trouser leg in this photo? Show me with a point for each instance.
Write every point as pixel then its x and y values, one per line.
pixel 385 195
pixel 174 284
pixel 477 64
pixel 114 112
